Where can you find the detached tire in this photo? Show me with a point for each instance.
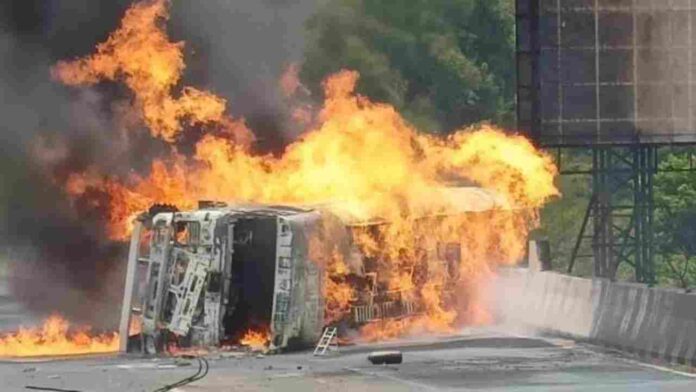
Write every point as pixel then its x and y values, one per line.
pixel 385 357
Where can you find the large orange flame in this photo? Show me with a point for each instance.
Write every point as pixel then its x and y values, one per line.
pixel 361 159
pixel 363 156
pixel 140 54
pixel 55 338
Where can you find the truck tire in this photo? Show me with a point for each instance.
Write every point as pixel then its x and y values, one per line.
pixel 385 357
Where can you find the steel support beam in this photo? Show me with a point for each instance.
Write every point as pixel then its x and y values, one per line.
pixel 621 211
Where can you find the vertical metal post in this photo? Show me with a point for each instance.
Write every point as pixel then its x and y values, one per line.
pixel 598 106
pixel 129 289
pixel 601 239
pixel 528 78
pixel 535 50
pixel 645 271
pixel 559 59
pixel 639 212
pixel 597 213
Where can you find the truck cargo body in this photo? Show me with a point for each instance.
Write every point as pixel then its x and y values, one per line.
pixel 208 276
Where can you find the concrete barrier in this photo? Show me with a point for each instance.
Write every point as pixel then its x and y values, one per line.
pixel 651 322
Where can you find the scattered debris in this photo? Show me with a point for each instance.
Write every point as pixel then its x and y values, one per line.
pixel 385 357
pixel 180 363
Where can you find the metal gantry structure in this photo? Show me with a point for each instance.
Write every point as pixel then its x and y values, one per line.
pixel 619 217
pixel 615 78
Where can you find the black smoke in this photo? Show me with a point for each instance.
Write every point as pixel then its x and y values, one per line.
pixel 241 49
pixel 60 257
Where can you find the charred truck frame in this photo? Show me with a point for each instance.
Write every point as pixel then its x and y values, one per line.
pixel 205 277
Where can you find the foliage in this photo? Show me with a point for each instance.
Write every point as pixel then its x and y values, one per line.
pixel 561 219
pixel 443 63
pixel 675 222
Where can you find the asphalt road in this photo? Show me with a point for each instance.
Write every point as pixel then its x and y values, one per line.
pixel 476 360
pixel 481 359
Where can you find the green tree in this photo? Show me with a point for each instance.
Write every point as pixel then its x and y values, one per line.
pixel 561 219
pixel 675 222
pixel 443 63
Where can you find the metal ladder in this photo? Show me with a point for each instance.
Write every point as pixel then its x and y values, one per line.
pixel 325 341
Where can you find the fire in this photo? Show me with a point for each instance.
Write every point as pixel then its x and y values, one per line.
pixel 338 297
pixel 256 340
pixel 140 54
pixel 337 162
pixel 54 337
pixel 135 326
pixel 359 158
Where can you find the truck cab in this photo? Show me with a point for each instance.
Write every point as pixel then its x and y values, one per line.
pixel 205 277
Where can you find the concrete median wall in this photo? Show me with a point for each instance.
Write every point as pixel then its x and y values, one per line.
pixel 651 322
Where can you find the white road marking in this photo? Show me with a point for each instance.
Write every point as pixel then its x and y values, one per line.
pixel 623 359
pixel 657 367
pixel 288 375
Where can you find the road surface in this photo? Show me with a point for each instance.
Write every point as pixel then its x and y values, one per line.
pixel 475 360
pixel 483 359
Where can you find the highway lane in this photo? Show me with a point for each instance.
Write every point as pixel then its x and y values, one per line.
pixel 484 359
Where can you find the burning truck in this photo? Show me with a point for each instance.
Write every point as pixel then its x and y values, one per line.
pixel 208 276
pixel 354 224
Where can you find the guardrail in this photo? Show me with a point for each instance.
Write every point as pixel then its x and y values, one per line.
pixel 658 323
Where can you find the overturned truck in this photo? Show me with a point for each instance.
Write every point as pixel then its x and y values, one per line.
pixel 207 276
